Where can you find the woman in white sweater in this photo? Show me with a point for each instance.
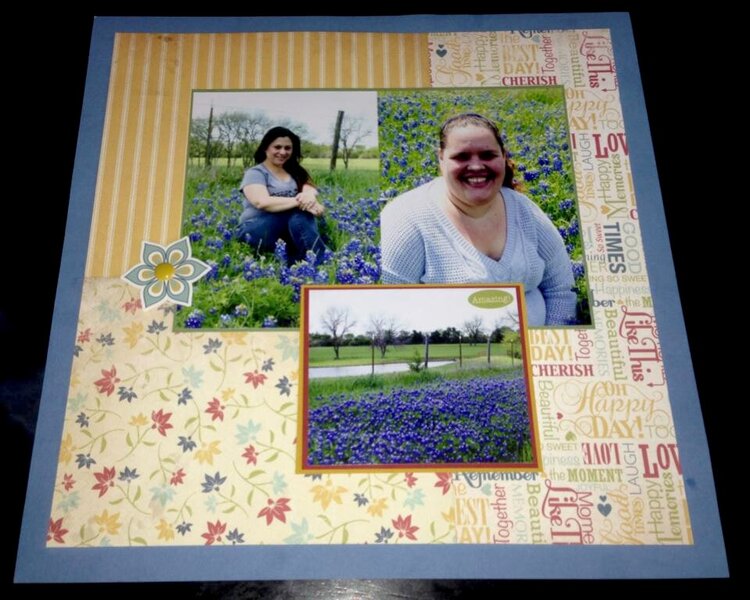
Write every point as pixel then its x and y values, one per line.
pixel 471 226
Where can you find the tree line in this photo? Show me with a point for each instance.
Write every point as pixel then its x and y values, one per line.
pixel 384 331
pixel 235 136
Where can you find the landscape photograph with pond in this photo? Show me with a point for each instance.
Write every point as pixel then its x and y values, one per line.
pixel 415 376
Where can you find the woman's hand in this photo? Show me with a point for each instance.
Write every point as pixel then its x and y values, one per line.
pixel 317 209
pixel 307 200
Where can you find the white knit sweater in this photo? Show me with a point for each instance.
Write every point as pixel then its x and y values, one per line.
pixel 421 245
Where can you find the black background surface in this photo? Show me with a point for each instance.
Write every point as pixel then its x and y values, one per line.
pixel 690 73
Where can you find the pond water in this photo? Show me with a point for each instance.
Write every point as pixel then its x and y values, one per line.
pixel 320 372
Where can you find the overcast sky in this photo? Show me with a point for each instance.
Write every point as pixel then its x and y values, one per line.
pixel 422 308
pixel 317 110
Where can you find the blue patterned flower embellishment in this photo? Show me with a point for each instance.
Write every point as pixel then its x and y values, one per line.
pixel 166 273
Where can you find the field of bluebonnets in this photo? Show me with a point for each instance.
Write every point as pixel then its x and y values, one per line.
pixel 478 420
pixel 248 289
pixel 534 127
pixel 245 288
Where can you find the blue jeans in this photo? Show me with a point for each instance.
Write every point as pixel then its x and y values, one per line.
pixel 298 228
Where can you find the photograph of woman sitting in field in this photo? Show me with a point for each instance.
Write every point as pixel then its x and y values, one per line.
pixel 270 205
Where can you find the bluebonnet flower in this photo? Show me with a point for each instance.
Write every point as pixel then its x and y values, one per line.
pixel 280 251
pixel 195 319
pixel 270 321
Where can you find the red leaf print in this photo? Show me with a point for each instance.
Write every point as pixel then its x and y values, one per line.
pixel 215 409
pixel 410 479
pixel 444 481
pixel 214 532
pixel 133 305
pixel 161 421
pixel 105 480
pixel 107 383
pixel 55 531
pixel 275 510
pixel 84 336
pixel 177 478
pixel 249 454
pixel 404 527
pixel 68 482
pixel 255 378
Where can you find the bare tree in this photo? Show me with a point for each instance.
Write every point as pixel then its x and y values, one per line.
pixel 353 131
pixel 383 332
pixel 473 329
pixel 230 127
pixel 250 133
pixel 337 322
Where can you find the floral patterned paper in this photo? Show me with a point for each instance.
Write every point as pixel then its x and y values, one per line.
pixel 189 438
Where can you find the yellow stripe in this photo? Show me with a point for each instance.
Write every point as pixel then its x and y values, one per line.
pixel 306 49
pixel 93 256
pixel 139 189
pixel 119 163
pixel 350 50
pixel 339 64
pixel 243 61
pixel 274 82
pixel 321 60
pixel 132 209
pixel 153 170
pixel 174 168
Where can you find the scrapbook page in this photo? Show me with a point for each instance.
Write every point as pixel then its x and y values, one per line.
pixel 268 370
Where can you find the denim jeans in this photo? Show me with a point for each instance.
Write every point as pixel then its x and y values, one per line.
pixel 298 228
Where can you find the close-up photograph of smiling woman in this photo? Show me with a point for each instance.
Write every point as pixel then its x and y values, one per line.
pixel 472 224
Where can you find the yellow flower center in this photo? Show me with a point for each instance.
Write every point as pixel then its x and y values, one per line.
pixel 164 271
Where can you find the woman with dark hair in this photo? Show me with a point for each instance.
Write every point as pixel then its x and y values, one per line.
pixel 280 199
pixel 472 226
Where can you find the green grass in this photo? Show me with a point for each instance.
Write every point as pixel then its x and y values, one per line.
pixel 355 164
pixel 320 390
pixel 361 355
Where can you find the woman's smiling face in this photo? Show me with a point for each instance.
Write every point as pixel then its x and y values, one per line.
pixel 279 151
pixel 473 165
